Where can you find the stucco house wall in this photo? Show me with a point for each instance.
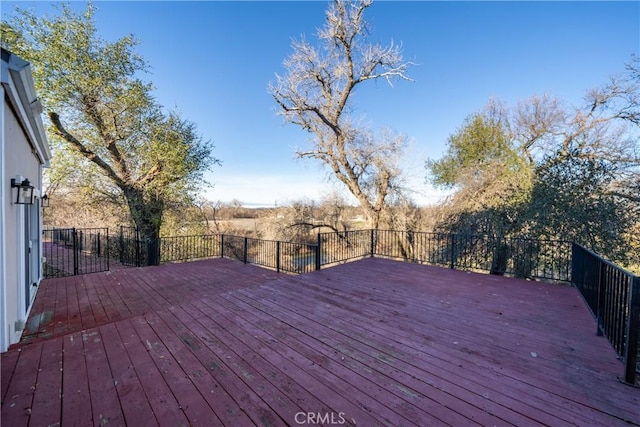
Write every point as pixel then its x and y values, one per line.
pixel 24 152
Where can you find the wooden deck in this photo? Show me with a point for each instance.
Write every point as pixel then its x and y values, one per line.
pixel 373 342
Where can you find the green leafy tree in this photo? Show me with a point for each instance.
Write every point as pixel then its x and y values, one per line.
pixel 571 200
pixel 548 170
pixel 491 180
pixel 104 121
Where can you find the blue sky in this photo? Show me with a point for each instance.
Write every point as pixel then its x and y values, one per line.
pixel 213 60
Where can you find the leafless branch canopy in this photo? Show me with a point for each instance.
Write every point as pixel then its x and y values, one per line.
pixel 315 92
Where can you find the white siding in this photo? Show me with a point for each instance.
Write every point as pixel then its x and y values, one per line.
pixel 23 152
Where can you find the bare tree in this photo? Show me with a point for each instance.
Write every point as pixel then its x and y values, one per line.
pixel 315 95
pixel 605 128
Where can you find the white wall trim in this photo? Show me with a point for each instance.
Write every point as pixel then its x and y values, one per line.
pixel 22 277
pixel 16 76
pixel 4 328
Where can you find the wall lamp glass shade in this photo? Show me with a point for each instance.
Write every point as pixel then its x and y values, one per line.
pixel 24 194
pixel 45 201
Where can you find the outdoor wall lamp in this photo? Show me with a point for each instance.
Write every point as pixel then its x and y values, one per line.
pixel 45 201
pixel 24 194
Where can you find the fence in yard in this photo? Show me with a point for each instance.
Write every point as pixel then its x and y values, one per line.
pixel 73 251
pixel 128 248
pixel 188 248
pixel 518 257
pixel 289 257
pixel 613 296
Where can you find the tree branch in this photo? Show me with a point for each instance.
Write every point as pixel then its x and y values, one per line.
pixel 59 130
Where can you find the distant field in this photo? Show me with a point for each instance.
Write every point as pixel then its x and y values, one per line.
pixel 241 223
pixel 253 224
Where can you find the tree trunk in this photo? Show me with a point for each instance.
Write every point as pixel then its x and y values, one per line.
pixel 500 258
pixel 146 213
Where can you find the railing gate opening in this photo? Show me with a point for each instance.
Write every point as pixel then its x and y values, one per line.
pixel 73 251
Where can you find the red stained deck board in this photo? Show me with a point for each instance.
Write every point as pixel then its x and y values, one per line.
pixel 414 323
pixel 133 401
pixel 307 355
pixel 61 311
pixel 84 303
pixel 121 302
pixel 46 404
pixel 202 343
pixel 135 287
pixel 41 317
pixel 497 345
pixel 580 381
pixel 105 404
pixel 103 290
pixel 163 403
pixel 508 325
pixel 286 369
pixel 241 345
pixel 134 299
pixel 76 402
pixel 252 375
pixel 195 407
pixel 225 408
pixel 74 320
pixel 17 406
pixel 333 317
pixel 43 296
pixel 8 362
pixel 397 382
pixel 412 379
pixel 99 314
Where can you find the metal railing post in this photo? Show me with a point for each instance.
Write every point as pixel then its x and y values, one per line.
pixel 153 251
pixel 278 256
pixel 74 246
pixel 318 252
pixel 108 254
pixel 373 242
pixel 601 297
pixel 121 246
pixel 452 254
pixel 246 245
pixel 633 331
pixel 137 248
pixel 222 246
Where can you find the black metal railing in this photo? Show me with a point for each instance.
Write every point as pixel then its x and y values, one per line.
pixel 539 259
pixel 128 248
pixel 611 293
pixel 613 296
pixel 345 246
pixel 518 257
pixel 187 248
pixel 73 251
pixel 289 257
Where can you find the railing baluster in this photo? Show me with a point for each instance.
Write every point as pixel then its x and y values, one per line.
pixel 632 333
pixel 613 296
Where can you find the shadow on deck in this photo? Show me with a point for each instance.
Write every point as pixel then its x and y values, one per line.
pixel 372 342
